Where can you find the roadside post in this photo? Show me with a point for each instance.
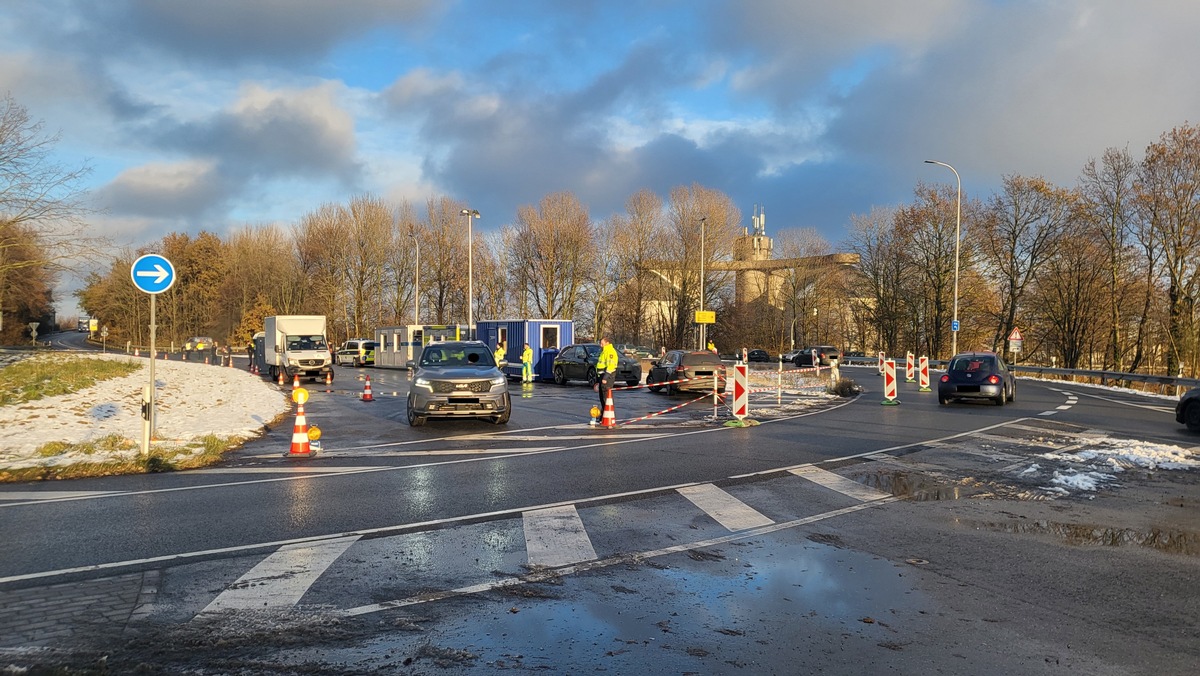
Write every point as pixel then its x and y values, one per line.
pixel 741 396
pixel 924 374
pixel 881 364
pixel 909 368
pixel 889 383
pixel 152 274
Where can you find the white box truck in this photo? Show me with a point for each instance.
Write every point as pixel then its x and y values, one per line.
pixel 295 345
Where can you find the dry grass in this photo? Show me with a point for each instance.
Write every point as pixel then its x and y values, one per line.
pixel 201 452
pixel 49 376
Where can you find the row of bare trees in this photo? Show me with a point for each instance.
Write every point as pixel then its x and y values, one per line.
pixel 1100 275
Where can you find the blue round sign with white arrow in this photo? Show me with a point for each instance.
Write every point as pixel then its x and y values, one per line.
pixel 152 273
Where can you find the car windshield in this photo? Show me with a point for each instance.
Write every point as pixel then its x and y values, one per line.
pixel 306 342
pixel 593 351
pixel 457 356
pixel 970 364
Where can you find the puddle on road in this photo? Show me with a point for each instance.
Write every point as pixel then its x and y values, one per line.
pixel 913 486
pixel 745 606
pixel 1164 540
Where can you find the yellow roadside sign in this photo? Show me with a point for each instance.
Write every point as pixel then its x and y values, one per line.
pixel 706 317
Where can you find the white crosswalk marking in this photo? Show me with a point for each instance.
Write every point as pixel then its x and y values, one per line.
pixel 555 537
pixel 280 580
pixel 724 508
pixel 839 483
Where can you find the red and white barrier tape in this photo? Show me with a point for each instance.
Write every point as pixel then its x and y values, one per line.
pixel 664 411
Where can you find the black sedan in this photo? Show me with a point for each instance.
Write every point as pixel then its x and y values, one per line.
pixel 977 375
pixel 1187 411
pixel 578 362
pixel 697 367
pixel 758 355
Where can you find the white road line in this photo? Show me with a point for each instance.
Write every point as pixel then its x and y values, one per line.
pixel 839 483
pixel 279 581
pixel 1064 407
pixel 1048 412
pixel 726 509
pixel 556 537
pixel 51 495
pixel 282 469
pixel 419 454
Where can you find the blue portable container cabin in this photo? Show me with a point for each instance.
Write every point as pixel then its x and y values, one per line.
pixel 545 336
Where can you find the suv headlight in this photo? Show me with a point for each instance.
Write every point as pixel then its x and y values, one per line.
pixel 499 380
pixel 421 382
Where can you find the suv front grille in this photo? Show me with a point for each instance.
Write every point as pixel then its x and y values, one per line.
pixel 449 387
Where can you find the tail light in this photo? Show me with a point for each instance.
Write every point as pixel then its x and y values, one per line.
pixel 945 378
pixel 993 379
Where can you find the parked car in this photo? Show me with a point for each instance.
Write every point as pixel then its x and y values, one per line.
pixel 817 355
pixel 356 352
pixel 458 379
pixel 1187 411
pixel 977 375
pixel 198 347
pixel 578 362
pixel 758 355
pixel 698 367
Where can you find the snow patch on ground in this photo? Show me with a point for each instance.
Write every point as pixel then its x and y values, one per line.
pixel 193 400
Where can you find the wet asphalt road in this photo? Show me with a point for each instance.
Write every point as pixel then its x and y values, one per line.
pixel 952 584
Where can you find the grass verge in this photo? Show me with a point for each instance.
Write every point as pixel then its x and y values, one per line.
pixel 49 376
pixel 200 452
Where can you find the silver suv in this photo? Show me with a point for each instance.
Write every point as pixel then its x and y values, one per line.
pixel 458 379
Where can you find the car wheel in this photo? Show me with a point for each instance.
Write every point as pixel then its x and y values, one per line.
pixel 944 401
pixel 649 380
pixel 273 372
pixel 414 420
pixel 559 378
pixel 999 400
pixel 502 419
pixel 1191 417
pixel 1012 393
pixel 591 377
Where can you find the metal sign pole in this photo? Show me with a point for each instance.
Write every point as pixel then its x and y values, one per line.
pixel 148 416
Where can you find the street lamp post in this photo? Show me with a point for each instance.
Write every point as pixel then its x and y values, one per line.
pixel 470 275
pixel 417 281
pixel 703 327
pixel 957 240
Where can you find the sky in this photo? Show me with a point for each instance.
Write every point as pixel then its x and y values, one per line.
pixel 238 404
pixel 216 114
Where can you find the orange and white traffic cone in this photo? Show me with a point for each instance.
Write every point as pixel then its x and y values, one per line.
pixel 609 419
pixel 296 380
pixel 366 395
pixel 281 377
pixel 328 379
pixel 300 444
pixel 137 352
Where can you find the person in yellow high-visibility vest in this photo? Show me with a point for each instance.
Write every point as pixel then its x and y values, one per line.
pixel 527 364
pixel 499 352
pixel 606 371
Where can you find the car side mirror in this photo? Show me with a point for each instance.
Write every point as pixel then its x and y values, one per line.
pixel 409 364
pixel 502 364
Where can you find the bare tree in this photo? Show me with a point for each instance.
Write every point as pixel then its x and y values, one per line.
pixel 1107 191
pixel 40 204
pixel 550 253
pixel 1021 231
pixel 885 275
pixel 1168 190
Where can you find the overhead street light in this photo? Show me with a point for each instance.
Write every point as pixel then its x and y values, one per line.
pixel 417 282
pixel 470 275
pixel 957 239
pixel 703 327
